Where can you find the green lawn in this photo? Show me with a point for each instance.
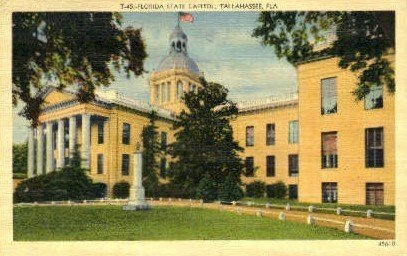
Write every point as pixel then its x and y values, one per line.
pixel 161 223
pixel 375 208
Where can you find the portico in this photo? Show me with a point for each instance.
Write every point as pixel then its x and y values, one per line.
pixel 61 140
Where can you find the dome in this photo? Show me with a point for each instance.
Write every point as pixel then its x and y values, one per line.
pixel 178 57
pixel 178 60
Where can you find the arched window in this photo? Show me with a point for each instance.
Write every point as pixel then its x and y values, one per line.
pixel 179 90
pixel 168 91
pixel 179 46
pixel 156 92
pixel 163 93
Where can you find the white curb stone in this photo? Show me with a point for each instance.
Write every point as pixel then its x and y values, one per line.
pixel 348 226
pixel 311 220
pixel 281 216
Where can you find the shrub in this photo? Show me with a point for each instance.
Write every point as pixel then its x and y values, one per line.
pixel 230 189
pixel 172 190
pixel 207 189
pixel 121 190
pixel 256 189
pixel 68 183
pixel 277 190
pixel 99 190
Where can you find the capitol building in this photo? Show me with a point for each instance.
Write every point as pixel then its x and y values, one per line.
pixel 321 143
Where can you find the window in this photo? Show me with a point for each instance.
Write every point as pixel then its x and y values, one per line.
pixel 179 90
pixel 100 164
pixel 163 168
pixel 249 136
pixel 292 191
pixel 270 134
pixel 374 194
pixel 249 164
pixel 126 134
pixel 374 99
pixel 125 164
pixel 329 155
pixel 329 192
pixel 157 93
pixel 100 132
pixel 374 147
pixel 270 166
pixel 163 140
pixel 292 165
pixel 329 102
pixel 168 92
pixel 293 132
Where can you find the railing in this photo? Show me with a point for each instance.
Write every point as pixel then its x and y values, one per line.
pixel 142 105
pixel 276 100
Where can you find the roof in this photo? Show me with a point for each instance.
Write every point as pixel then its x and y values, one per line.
pixel 268 102
pixel 110 98
pixel 178 60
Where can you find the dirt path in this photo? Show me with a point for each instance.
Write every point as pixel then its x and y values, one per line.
pixel 375 228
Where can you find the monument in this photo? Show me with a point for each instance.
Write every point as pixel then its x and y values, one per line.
pixel 137 199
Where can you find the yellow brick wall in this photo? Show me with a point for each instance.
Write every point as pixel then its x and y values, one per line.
pixel 350 122
pixel 280 150
pixel 116 148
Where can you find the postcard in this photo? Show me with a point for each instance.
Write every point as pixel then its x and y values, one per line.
pixel 186 128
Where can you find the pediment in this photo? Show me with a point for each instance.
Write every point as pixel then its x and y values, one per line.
pixel 54 96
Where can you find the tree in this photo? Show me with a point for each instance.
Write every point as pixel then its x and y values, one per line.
pixel 20 152
pixel 151 150
pixel 204 145
pixel 230 190
pixel 207 189
pixel 74 49
pixel 363 39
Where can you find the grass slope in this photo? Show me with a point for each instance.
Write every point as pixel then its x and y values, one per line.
pixel 161 223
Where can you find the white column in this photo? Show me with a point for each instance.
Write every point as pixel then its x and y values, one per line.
pixel 61 144
pixel 40 149
pixel 72 135
pixel 86 141
pixel 49 150
pixel 30 162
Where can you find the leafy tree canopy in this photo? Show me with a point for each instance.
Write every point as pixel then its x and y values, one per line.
pixel 70 49
pixel 20 152
pixel 204 145
pixel 151 150
pixel 362 41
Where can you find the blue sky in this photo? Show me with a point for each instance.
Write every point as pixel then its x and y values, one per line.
pixel 223 48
